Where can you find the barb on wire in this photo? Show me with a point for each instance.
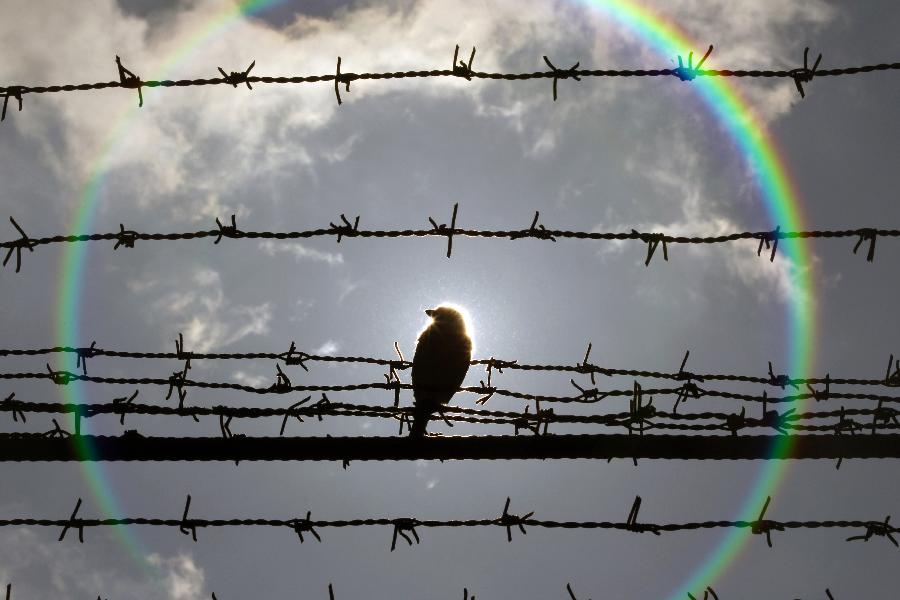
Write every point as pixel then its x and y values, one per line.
pixel 653 240
pixel 764 526
pixel 562 73
pixel 774 419
pixel 509 520
pixel 290 413
pixel 707 593
pixel 339 79
pixel 82 354
pixel 767 238
pixel 638 412
pixel 73 523
pixel 781 381
pixel 13 405
pixel 125 238
pixel 803 75
pixel 13 91
pixel 177 382
pixel 688 389
pixel 123 402
pixel 129 80
pixel 535 231
pixel 300 358
pixel 401 528
pixel 871 235
pixel 690 72
pixel 407 526
pixel 16 245
pixel 884 414
pixel 879 529
pixel 584 366
pixel 229 231
pixel 892 379
pixel 235 78
pixel 306 525
pixel 188 526
pixel 442 229
pixel 462 69
pixel 631 523
pixel 282 383
pixel 346 228
pixel 824 394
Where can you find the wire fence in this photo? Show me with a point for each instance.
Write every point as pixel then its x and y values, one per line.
pixel 459 69
pixel 639 418
pixel 407 528
pixel 708 593
pixel 293 356
pixel 768 240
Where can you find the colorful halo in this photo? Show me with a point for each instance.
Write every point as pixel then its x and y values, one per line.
pixel 746 130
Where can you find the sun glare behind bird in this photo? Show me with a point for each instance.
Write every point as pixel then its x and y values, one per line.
pixel 443 352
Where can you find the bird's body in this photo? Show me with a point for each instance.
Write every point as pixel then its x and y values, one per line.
pixel 443 352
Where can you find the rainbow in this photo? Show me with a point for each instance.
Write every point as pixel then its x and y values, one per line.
pixel 665 38
pixel 74 262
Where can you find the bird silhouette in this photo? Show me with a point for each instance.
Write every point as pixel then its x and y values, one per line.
pixel 443 352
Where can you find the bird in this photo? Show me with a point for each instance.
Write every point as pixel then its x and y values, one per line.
pixel 443 352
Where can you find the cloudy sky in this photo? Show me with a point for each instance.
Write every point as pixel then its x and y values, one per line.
pixel 609 155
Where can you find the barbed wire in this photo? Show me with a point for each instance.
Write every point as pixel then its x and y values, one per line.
pixel 459 69
pixel 178 384
pixel 708 593
pixel 126 238
pixel 407 527
pixel 296 357
pixel 639 418
pixel 60 445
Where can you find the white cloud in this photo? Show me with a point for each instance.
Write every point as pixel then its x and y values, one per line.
pixel 206 318
pixel 329 347
pixel 245 378
pixel 40 567
pixel 184 579
pixel 301 252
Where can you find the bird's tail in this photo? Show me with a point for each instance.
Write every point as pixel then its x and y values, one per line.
pixel 419 422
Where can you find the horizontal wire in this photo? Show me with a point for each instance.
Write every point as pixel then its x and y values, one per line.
pixel 130 81
pixel 882 419
pixel 294 356
pixel 60 446
pixel 589 396
pixel 509 521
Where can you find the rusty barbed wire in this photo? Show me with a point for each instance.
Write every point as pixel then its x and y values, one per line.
pixel 126 238
pixel 296 357
pixel 407 526
pixel 459 69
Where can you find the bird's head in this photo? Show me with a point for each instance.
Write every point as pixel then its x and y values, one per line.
pixel 447 318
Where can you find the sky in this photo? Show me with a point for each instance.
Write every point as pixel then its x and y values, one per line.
pixel 650 154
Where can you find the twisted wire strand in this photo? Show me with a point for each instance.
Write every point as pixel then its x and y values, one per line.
pixel 881 420
pixel 494 363
pixel 348 77
pixel 592 396
pixel 506 520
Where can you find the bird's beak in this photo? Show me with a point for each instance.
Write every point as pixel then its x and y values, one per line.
pixel 430 312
